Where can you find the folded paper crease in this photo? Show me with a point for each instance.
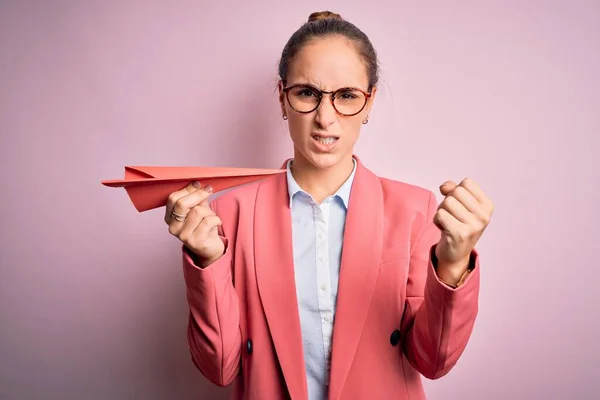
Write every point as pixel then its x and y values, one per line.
pixel 148 187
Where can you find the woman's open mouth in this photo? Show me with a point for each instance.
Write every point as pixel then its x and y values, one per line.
pixel 325 143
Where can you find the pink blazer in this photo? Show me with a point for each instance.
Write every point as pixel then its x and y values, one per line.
pixel 395 321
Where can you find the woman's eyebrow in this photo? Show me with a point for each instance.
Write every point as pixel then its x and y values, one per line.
pixel 303 83
pixel 306 83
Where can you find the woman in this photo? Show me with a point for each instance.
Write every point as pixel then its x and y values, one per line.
pixel 272 267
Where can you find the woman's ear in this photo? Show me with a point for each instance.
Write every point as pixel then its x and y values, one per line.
pixel 371 100
pixel 281 98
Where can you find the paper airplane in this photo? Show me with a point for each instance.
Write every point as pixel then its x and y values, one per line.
pixel 149 187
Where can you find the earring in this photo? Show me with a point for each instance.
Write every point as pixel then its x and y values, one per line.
pixel 366 120
pixel 285 117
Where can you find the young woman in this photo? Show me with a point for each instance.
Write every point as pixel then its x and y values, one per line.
pixel 328 281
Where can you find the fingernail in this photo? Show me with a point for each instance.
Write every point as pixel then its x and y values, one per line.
pixel 196 184
pixel 208 188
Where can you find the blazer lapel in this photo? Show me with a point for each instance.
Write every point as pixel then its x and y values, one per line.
pixel 361 254
pixel 274 263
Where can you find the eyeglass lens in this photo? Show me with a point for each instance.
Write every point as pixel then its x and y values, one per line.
pixel 345 101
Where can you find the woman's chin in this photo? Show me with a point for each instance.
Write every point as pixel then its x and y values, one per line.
pixel 323 160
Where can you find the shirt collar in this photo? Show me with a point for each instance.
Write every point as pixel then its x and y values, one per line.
pixel 343 192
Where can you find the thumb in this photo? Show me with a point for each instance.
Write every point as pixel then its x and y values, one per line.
pixel 447 187
pixel 192 186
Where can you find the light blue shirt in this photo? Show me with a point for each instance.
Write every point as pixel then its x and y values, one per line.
pixel 318 235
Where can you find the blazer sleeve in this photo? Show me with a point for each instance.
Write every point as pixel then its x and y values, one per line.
pixel 214 336
pixel 438 320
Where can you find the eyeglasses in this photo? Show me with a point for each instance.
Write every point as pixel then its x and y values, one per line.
pixel 347 101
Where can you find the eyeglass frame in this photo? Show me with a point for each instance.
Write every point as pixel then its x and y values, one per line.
pixel 286 90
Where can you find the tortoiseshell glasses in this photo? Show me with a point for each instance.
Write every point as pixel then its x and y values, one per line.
pixel 347 101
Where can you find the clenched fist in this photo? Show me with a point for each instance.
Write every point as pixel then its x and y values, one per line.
pixel 462 217
pixel 192 221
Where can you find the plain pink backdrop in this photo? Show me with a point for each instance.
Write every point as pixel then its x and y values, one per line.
pixel 92 301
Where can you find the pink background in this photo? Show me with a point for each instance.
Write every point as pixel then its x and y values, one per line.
pixel 92 301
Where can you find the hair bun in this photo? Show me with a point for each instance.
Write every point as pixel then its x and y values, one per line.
pixel 317 16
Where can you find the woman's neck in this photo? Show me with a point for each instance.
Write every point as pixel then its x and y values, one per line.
pixel 321 182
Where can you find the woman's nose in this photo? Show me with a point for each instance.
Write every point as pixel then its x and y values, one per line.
pixel 326 114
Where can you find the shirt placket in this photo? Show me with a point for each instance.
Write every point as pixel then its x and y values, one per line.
pixel 324 278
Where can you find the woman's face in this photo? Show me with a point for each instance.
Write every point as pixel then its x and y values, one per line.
pixel 324 137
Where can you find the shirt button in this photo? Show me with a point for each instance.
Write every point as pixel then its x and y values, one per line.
pixel 395 338
pixel 326 318
pixel 323 287
pixel 320 236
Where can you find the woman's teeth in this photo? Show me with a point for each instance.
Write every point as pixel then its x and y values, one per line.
pixel 328 140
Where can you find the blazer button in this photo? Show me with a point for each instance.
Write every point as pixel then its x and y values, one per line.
pixel 395 338
pixel 249 346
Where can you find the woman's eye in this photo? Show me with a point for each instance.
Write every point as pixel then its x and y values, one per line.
pixel 347 95
pixel 306 93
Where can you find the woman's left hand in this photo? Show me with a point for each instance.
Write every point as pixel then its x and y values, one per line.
pixel 462 217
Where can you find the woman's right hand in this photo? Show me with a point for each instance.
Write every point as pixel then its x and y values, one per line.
pixel 192 221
